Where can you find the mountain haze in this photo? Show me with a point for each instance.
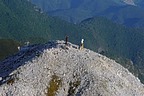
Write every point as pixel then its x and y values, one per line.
pixel 126 12
pixel 139 3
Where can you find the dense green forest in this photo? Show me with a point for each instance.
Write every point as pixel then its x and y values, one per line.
pixel 21 22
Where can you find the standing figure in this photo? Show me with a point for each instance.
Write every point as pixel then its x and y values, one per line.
pixel 66 40
pixel 82 44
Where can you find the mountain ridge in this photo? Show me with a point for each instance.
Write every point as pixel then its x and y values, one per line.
pixel 71 71
pixel 77 11
pixel 103 36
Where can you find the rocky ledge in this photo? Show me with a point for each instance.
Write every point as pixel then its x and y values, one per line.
pixel 56 69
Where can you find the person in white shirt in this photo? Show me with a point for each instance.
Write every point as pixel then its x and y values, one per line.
pixel 82 44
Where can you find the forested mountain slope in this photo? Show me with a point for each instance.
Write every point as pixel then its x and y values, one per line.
pixel 116 41
pixel 126 12
pixel 22 21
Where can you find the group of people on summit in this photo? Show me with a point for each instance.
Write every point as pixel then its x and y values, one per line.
pixel 81 45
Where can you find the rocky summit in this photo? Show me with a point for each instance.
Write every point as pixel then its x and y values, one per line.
pixel 59 69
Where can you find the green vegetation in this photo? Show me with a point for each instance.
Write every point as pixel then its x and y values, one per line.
pixel 54 85
pixel 20 21
pixel 8 47
pixel 73 87
pixel 11 81
pixel 127 63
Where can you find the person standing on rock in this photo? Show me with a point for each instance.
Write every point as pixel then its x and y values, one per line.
pixel 66 40
pixel 82 44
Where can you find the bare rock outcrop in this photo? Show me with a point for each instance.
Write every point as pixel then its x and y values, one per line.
pixel 56 69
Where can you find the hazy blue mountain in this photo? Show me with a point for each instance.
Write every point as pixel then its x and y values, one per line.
pixel 139 3
pixel 127 12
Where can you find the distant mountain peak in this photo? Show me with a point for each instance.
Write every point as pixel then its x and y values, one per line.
pixel 129 2
pixel 125 12
pixel 64 70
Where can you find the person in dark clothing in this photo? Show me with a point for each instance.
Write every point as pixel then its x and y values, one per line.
pixel 66 40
